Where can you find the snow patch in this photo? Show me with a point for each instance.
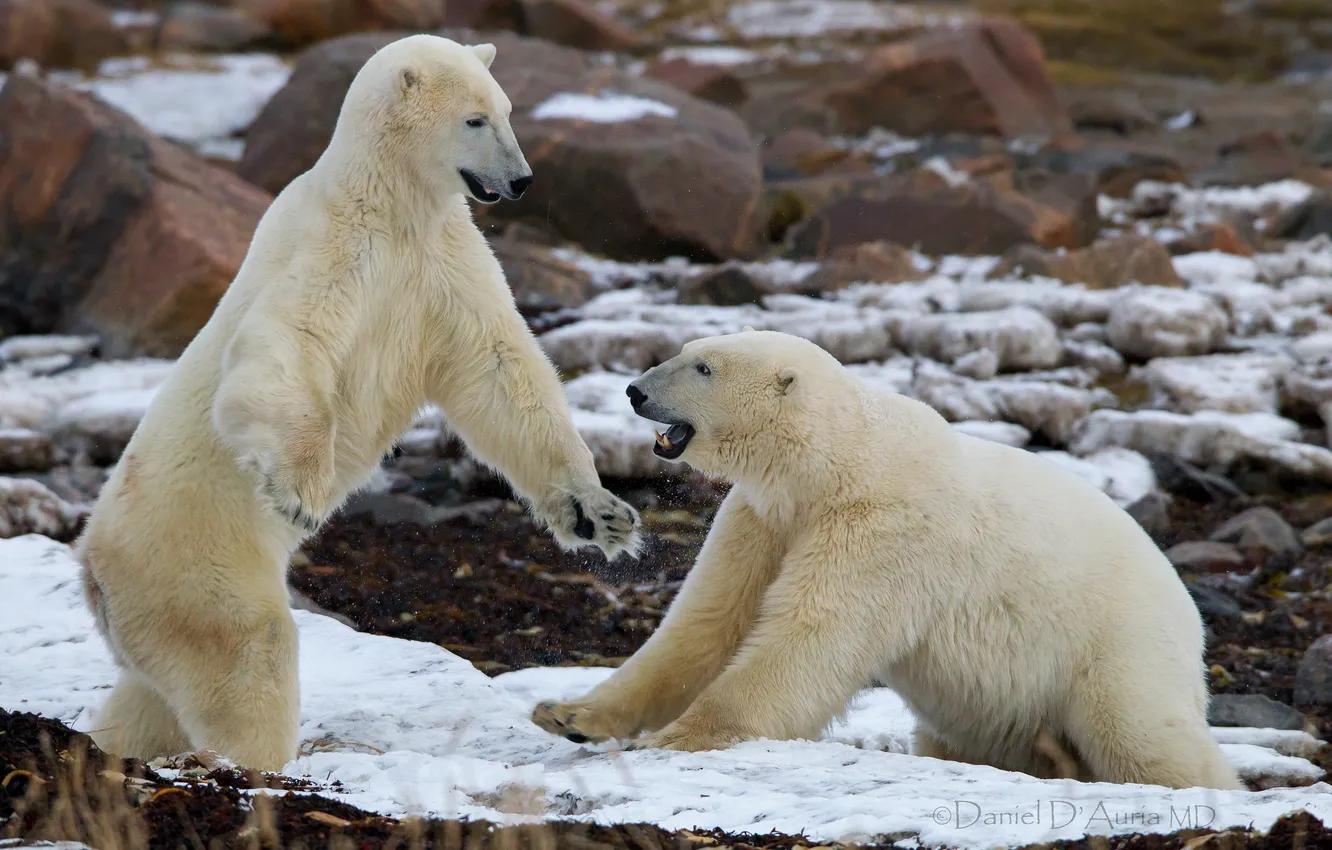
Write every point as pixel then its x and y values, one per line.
pixel 604 108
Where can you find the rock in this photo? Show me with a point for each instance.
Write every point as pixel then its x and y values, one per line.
pixel 1049 409
pixel 1181 478
pixel 934 219
pixel 1234 383
pixel 677 176
pixel 1317 535
pixel 1114 170
pixel 1205 439
pixel 574 23
pixel 195 26
pixel 1252 710
pixel 981 77
pixel 1214 236
pixel 27 507
pixel 1259 528
pixel 107 229
pixel 1311 218
pixel 58 33
pixel 1166 323
pixel 800 152
pixel 300 602
pixel 1213 604
pixel 1262 157
pixel 1152 512
pixel 1114 110
pixel 401 508
pixel 727 286
pixel 1313 678
pixel 17 348
pixel 97 427
pixel 709 82
pixel 22 450
pixel 1066 206
pixel 300 22
pixel 1108 264
pixel 1096 356
pixel 1205 556
pixel 484 15
pixel 869 262
pixel 540 280
pixel 1019 337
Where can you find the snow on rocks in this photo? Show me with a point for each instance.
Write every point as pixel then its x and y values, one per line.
pixel 1045 407
pixel 28 507
pixel 43 346
pixel 1233 383
pixel 408 728
pixel 1123 475
pixel 1019 337
pixel 1158 322
pixel 25 450
pixel 1205 439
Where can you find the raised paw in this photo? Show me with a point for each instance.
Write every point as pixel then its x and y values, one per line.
pixel 581 724
pixel 599 518
pixel 304 504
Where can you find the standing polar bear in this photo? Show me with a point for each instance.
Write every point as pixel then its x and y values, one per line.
pixel 1028 622
pixel 367 292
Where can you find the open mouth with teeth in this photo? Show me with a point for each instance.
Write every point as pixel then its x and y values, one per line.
pixel 671 444
pixel 477 188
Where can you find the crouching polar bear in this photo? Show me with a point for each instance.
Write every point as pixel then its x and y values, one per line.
pixel 367 292
pixel 1029 623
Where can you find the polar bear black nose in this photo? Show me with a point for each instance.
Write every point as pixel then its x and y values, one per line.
pixel 636 396
pixel 519 186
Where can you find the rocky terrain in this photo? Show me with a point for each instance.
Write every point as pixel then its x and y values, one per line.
pixel 1097 229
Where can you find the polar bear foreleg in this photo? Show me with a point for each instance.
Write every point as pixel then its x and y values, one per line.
pixel 136 722
pixel 505 400
pixel 716 607
pixel 281 427
pixel 816 644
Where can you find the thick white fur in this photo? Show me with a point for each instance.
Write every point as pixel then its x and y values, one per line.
pixel 367 292
pixel 1028 621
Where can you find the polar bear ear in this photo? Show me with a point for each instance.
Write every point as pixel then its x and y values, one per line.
pixel 408 79
pixel 484 52
pixel 747 329
pixel 786 380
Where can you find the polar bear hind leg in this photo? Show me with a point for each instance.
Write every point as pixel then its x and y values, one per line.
pixel 1122 739
pixel 136 722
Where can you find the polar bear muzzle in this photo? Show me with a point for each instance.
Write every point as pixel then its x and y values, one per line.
pixel 488 190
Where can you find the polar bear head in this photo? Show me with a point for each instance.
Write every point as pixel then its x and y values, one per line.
pixel 430 105
pixel 743 406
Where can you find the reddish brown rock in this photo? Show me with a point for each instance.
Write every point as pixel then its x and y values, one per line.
pixel 1108 264
pixel 709 82
pixel 484 14
pixel 1212 237
pixel 870 262
pixel 983 77
pixel 58 33
pixel 106 228
pixel 192 26
pixel 541 282
pixel 801 152
pixel 300 22
pixel 1205 556
pixel 687 182
pixel 574 23
pixel 1262 157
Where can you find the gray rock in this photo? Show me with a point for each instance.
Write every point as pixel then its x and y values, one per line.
pixel 1205 556
pixel 300 602
pixel 1152 512
pixel 1253 710
pixel 1213 604
pixel 22 450
pixel 1318 534
pixel 1313 679
pixel 1259 528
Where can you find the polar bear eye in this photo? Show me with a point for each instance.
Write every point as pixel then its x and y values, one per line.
pixel 476 122
pixel 703 369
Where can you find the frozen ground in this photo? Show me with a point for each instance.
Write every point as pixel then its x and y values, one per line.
pixel 409 728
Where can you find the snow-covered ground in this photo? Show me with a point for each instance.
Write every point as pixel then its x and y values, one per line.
pixel 408 728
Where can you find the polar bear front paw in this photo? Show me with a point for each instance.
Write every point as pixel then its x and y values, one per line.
pixel 579 722
pixel 299 499
pixel 596 517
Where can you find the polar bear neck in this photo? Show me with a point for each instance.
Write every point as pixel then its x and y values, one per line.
pixel 375 168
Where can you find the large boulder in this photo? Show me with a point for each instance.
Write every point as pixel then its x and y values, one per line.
pixel 301 22
pixel 983 77
pixel 58 33
pixel 625 166
pixel 107 229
